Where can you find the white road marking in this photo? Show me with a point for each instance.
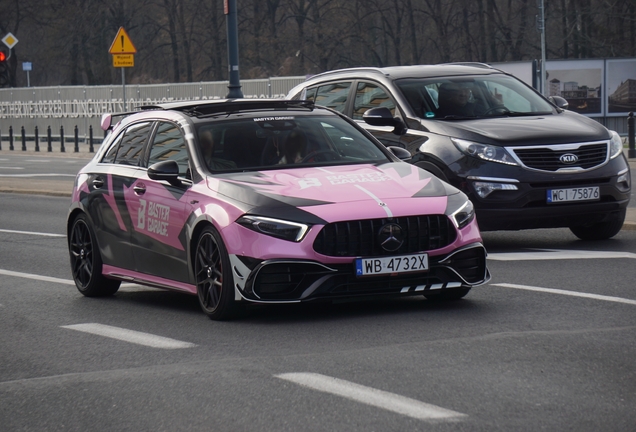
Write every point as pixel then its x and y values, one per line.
pixel 568 293
pixel 36 277
pixel 38 175
pixel 130 287
pixel 552 254
pixel 14 168
pixel 32 233
pixel 371 396
pixel 131 336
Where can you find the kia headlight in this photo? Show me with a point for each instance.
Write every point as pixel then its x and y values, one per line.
pixel 616 145
pixel 286 230
pixel 485 152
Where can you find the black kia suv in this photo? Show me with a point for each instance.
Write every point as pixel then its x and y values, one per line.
pixel 525 161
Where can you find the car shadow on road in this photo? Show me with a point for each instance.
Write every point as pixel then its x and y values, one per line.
pixel 355 309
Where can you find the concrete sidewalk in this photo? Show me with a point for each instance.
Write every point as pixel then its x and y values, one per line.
pixel 65 187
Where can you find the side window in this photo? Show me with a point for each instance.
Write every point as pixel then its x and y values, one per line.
pixel 333 96
pixel 129 145
pixel 370 96
pixel 310 94
pixel 132 144
pixel 169 144
pixel 109 157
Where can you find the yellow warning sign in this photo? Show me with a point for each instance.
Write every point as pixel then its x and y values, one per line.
pixel 122 44
pixel 123 60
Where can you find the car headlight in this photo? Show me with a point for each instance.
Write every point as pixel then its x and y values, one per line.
pixel 460 209
pixel 285 230
pixel 616 145
pixel 485 188
pixel 484 151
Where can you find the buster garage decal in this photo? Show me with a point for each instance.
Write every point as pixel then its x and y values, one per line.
pixel 153 217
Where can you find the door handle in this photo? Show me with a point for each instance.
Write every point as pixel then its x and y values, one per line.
pixel 140 189
pixel 98 182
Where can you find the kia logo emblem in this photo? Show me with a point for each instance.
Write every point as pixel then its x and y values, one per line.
pixel 569 158
pixel 391 237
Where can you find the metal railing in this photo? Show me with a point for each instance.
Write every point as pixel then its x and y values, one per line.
pixel 79 108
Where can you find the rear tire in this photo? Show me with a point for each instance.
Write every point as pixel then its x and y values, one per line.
pixel 601 230
pixel 86 261
pixel 447 294
pixel 214 281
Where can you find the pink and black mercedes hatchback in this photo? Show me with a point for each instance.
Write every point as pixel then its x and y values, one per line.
pixel 265 201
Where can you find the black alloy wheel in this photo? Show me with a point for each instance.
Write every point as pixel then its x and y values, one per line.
pixel 213 276
pixel 86 261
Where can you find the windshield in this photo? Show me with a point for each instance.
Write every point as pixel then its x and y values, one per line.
pixel 284 141
pixel 471 97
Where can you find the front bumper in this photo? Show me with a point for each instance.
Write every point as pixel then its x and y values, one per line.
pixel 527 207
pixel 285 281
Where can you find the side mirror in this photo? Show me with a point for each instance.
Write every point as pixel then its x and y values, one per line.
pixel 381 116
pixel 400 153
pixel 165 171
pixel 559 102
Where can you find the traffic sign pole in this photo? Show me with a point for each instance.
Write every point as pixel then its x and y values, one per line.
pixel 123 83
pixel 123 52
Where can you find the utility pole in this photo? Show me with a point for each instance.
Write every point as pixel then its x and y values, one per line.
pixel 541 27
pixel 232 49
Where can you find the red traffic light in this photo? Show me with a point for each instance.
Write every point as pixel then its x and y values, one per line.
pixel 3 56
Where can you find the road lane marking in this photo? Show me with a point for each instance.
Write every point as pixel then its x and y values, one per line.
pixel 32 233
pixel 552 254
pixel 130 287
pixel 568 293
pixel 38 175
pixel 371 396
pixel 12 168
pixel 36 277
pixel 131 336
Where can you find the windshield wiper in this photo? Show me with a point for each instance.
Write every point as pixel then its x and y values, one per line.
pixel 507 113
pixel 458 117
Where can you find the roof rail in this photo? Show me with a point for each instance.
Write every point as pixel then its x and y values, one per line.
pixel 361 69
pixel 474 64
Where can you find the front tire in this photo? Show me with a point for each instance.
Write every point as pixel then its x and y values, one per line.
pixel 215 287
pixel 601 230
pixel 86 261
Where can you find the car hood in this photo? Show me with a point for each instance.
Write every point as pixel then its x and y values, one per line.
pixel 336 192
pixel 562 128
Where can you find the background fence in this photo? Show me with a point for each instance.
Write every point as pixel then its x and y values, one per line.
pixel 65 116
pixel 64 112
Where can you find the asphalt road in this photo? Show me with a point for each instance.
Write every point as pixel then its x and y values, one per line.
pixel 548 344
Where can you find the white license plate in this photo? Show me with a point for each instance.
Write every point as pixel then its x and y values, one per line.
pixel 390 265
pixel 573 194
